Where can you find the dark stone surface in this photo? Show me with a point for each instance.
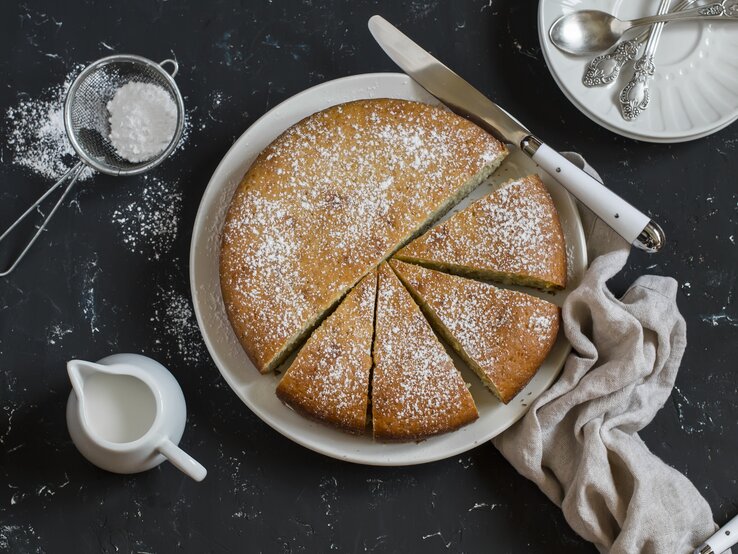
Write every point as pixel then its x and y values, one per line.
pixel 85 292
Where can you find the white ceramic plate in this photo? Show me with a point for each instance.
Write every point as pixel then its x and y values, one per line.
pixel 695 88
pixel 256 390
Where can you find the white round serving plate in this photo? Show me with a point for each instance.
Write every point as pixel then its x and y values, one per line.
pixel 256 390
pixel 694 91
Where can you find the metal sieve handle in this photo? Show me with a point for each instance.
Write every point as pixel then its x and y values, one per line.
pixel 175 66
pixel 72 175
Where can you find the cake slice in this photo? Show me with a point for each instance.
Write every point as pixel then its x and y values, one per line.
pixel 416 389
pixel 512 235
pixel 503 335
pixel 329 379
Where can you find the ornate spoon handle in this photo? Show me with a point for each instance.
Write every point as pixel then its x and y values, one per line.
pixel 731 8
pixel 605 68
pixel 635 96
pixel 711 11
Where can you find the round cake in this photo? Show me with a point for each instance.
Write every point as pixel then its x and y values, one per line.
pixel 328 201
pixel 302 266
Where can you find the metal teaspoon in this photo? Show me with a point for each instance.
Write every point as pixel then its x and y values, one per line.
pixel 587 31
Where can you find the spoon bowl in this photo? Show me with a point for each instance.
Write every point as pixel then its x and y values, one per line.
pixel 586 31
pixel 590 31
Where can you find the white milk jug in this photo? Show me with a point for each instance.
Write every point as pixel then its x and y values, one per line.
pixel 126 414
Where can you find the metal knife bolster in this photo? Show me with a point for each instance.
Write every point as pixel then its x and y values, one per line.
pixel 652 238
pixel 530 145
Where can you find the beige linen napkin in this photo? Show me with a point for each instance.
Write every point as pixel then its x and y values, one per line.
pixel 579 441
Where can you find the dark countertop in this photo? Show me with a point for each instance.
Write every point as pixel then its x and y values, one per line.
pixel 99 281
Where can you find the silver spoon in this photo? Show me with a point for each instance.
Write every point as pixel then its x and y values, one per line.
pixel 587 31
pixel 605 68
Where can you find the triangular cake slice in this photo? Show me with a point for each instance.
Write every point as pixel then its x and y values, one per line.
pixel 503 335
pixel 416 389
pixel 512 235
pixel 329 379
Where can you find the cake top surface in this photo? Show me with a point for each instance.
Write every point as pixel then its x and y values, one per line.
pixel 507 333
pixel 329 378
pixel 416 389
pixel 328 200
pixel 514 229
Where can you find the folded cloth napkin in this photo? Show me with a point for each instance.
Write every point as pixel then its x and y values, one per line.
pixel 579 441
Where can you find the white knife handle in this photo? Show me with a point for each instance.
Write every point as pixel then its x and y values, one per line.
pixel 631 224
pixel 725 537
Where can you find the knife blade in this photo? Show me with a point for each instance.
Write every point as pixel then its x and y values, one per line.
pixel 461 97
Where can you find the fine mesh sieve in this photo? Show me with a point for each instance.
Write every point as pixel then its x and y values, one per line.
pixel 86 113
pixel 87 126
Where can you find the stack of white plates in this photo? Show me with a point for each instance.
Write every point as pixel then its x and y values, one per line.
pixel 694 92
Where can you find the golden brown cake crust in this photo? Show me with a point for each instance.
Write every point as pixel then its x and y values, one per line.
pixel 511 235
pixel 329 379
pixel 331 198
pixel 503 335
pixel 416 389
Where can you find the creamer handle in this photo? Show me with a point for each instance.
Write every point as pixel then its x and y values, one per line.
pixel 182 461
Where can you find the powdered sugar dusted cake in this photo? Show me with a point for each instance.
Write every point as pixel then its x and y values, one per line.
pixel 416 389
pixel 329 379
pixel 512 235
pixel 503 335
pixel 331 198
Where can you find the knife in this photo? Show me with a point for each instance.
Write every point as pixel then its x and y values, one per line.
pixel 631 224
pixel 724 538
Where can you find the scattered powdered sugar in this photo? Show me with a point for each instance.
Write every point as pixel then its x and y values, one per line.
pixel 88 301
pixel 174 321
pixel 541 325
pixel 148 220
pixel 416 389
pixel 37 139
pixel 57 332
pixel 187 125
pixel 19 538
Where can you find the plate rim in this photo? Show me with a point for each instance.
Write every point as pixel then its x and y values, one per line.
pixel 659 138
pixel 199 229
